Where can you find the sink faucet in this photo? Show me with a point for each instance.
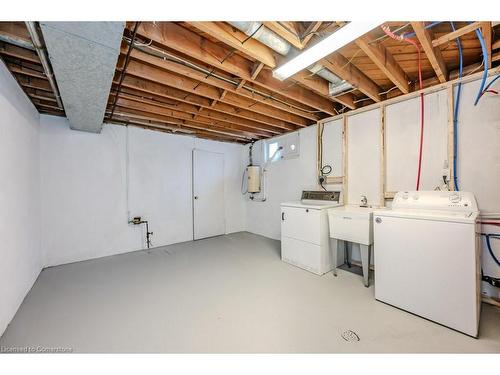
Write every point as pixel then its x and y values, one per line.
pixel 364 201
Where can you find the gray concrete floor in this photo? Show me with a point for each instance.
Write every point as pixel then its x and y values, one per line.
pixel 223 294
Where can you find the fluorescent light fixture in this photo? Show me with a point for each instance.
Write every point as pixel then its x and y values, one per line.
pixel 330 44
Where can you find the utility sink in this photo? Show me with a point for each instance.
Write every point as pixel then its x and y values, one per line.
pixel 352 223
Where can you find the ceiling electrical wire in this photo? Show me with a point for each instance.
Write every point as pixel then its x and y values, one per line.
pixel 124 70
pixel 388 91
pixel 475 69
pixel 361 100
pixel 388 31
pixel 411 35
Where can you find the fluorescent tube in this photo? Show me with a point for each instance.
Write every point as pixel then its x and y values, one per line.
pixel 330 44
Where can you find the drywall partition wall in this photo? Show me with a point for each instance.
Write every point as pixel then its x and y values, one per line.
pixel 479 165
pixel 20 259
pixel 402 137
pixel 84 189
pixel 286 179
pixel 363 157
pixel 333 147
pixel 479 147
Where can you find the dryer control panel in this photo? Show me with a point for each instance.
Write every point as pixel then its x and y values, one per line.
pixel 436 200
pixel 327 196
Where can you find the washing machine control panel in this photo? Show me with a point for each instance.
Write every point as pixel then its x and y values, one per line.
pixel 436 200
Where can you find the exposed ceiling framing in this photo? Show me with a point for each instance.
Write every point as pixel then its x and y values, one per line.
pixel 18 53
pixel 212 80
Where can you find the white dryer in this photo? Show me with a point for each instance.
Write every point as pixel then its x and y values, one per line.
pixel 427 257
pixel 305 240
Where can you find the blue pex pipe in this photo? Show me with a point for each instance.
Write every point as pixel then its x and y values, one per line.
pixel 485 59
pixel 432 24
pixel 488 244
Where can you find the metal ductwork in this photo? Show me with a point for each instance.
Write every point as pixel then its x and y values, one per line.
pixel 336 85
pixel 261 33
pixel 23 43
pixel 335 90
pixel 83 56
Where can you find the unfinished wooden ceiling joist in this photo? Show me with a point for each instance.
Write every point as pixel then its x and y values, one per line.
pixel 19 55
pixel 214 79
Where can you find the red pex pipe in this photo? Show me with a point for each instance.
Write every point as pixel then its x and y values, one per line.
pixel 388 31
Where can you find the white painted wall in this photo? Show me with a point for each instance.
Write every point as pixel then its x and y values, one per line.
pixel 20 259
pixel 84 195
pixel 288 177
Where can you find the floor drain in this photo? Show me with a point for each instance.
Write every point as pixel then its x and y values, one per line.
pixel 350 336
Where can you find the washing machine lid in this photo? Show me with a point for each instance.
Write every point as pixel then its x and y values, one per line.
pixel 434 215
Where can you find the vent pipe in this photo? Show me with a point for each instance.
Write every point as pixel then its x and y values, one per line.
pixel 264 35
pixel 261 33
pixel 23 43
pixel 42 54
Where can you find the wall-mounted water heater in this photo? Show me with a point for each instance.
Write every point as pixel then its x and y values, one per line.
pixel 253 179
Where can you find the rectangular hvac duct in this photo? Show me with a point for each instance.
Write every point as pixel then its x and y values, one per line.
pixel 83 56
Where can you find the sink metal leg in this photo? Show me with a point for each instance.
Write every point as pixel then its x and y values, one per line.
pixel 365 262
pixel 336 249
pixel 348 253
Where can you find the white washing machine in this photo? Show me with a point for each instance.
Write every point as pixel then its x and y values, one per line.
pixel 305 240
pixel 427 257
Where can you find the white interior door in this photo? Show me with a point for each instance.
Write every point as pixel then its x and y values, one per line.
pixel 208 194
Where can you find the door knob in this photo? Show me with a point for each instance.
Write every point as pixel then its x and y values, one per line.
pixel 195 197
